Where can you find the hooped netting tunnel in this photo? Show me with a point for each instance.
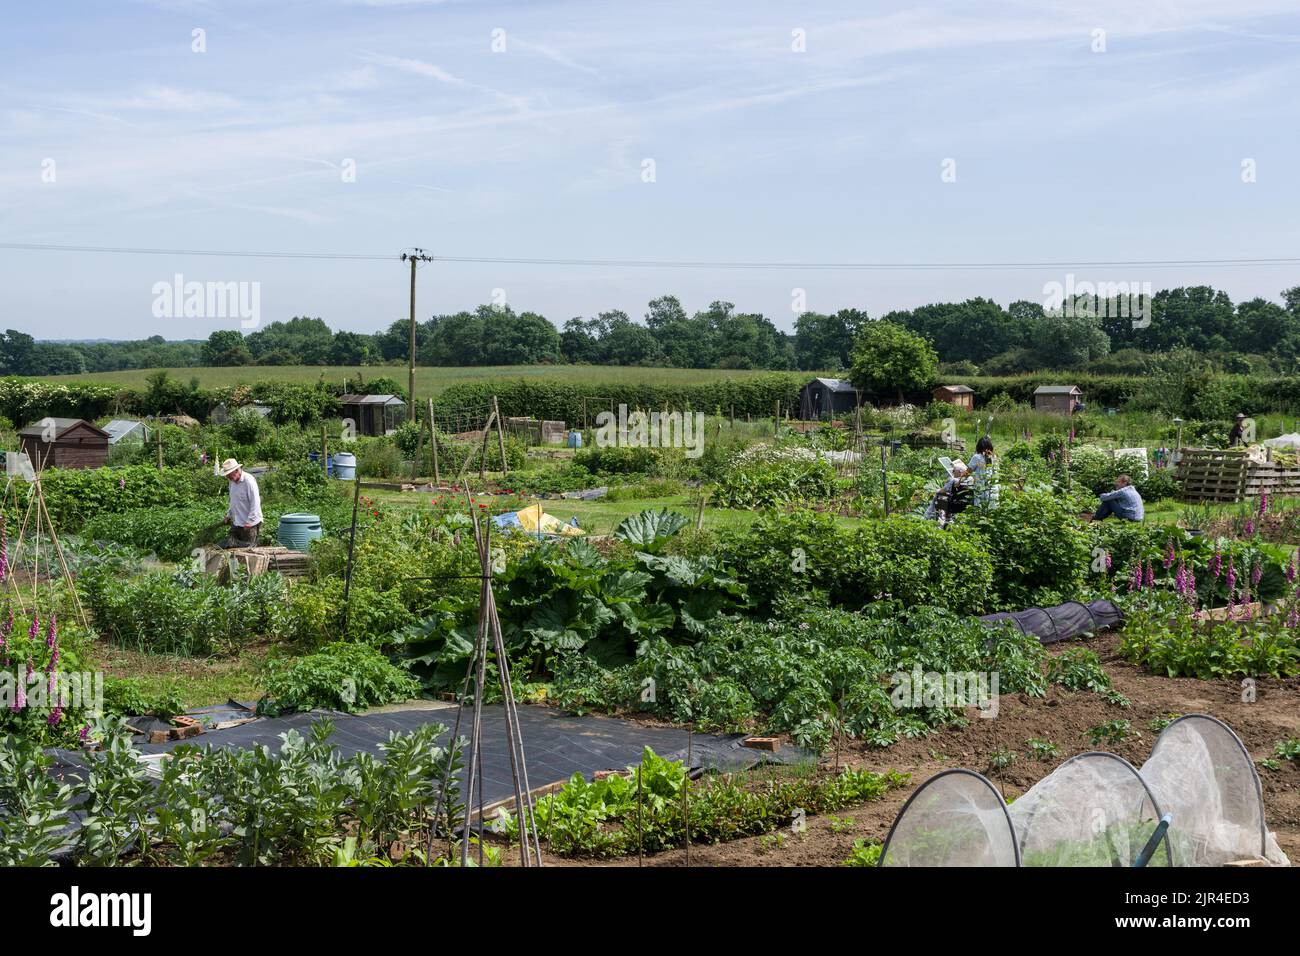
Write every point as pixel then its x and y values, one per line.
pixel 1097 809
pixel 1062 622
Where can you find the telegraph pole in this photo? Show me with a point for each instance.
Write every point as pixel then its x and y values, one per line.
pixel 415 258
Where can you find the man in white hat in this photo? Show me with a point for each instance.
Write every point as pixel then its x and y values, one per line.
pixel 245 512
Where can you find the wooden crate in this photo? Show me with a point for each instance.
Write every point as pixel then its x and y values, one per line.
pixel 1231 476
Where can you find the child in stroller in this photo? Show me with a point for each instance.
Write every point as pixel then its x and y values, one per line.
pixel 956 495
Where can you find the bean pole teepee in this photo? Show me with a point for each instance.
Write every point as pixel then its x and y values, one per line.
pixel 476 683
pixel 36 522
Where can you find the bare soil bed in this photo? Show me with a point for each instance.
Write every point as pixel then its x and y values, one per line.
pixel 1063 718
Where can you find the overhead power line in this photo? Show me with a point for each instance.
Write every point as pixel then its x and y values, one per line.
pixel 144 251
pixel 873 266
pixel 682 263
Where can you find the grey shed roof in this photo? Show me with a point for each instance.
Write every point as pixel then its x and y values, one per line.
pixel 836 384
pixel 61 425
pixel 957 388
pixel 1056 389
pixel 371 400
pixel 119 428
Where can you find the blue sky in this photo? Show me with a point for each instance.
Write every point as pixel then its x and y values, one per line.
pixel 761 152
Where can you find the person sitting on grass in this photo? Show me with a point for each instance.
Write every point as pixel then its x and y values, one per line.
pixel 1124 502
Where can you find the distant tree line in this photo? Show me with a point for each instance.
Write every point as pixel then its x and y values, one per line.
pixel 977 336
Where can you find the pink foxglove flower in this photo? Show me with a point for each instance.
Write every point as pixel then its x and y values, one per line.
pixel 1250 527
pixel 56 715
pixel 1257 573
pixel 34 631
pixel 1216 562
pixel 1169 554
pixel 1263 502
pixel 1150 579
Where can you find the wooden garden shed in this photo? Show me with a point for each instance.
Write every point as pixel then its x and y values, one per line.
pixel 963 396
pixel 1063 399
pixel 825 397
pixel 374 414
pixel 65 443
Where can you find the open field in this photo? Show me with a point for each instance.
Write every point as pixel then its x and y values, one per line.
pixel 428 380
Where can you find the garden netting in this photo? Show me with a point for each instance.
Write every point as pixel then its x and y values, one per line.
pixel 956 818
pixel 1059 623
pixel 1096 809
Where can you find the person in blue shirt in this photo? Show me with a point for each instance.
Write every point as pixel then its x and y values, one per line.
pixel 1124 502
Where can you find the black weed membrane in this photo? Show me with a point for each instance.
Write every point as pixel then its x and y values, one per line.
pixel 558 745
pixel 1197 801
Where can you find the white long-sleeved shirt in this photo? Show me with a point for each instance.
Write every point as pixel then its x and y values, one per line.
pixel 245 502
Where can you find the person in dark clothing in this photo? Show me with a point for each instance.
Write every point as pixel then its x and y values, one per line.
pixel 1236 436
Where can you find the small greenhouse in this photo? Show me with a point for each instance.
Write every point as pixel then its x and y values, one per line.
pixel 1097 809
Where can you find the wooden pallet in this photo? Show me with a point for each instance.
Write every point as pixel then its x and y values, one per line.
pixel 291 564
pixel 1231 476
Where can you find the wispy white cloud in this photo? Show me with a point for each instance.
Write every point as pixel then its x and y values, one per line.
pixel 754 142
pixel 550 53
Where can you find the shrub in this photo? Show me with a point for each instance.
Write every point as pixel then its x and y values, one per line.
pixel 1040 551
pixel 767 475
pixel 1162 635
pixel 1078 669
pixel 914 562
pixel 308 804
pixel 315 615
pixel 170 533
pixel 57 702
pixel 75 495
pixel 124 697
pixel 620 460
pixel 378 458
pixel 814 675
pixel 644 808
pixel 784 554
pixel 340 676
pixel 184 613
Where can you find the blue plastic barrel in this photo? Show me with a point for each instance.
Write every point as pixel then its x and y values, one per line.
pixel 345 466
pixel 575 439
pixel 298 531
pixel 314 458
